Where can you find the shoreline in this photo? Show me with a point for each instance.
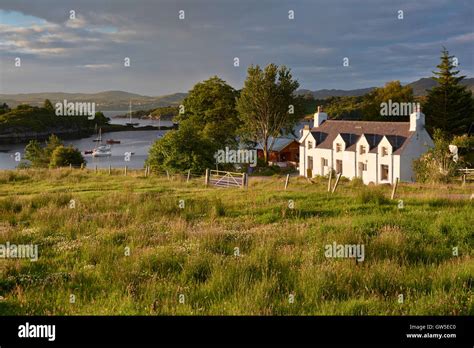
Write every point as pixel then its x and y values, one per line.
pixel 71 134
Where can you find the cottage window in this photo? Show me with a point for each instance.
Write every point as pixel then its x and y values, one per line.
pixel 338 147
pixel 362 149
pixel 310 144
pixel 325 162
pixel 384 151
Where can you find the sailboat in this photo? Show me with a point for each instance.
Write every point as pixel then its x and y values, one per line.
pixel 99 136
pixel 101 150
pixel 130 114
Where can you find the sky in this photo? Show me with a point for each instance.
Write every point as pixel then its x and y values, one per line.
pixel 168 54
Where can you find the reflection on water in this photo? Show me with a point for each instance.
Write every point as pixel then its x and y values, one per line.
pixel 136 142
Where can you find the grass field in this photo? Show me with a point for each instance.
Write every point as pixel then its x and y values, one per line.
pixel 184 261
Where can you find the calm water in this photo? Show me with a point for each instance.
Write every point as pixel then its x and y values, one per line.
pixel 137 142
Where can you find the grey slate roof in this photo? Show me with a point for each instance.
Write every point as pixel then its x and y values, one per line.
pixel 397 133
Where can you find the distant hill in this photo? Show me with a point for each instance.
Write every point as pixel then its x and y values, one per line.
pixel 118 100
pixel 420 86
pixel 419 89
pixel 108 100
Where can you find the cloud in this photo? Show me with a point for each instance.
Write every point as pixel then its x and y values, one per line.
pixel 169 55
pixel 77 22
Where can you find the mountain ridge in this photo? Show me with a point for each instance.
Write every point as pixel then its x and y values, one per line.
pixel 119 100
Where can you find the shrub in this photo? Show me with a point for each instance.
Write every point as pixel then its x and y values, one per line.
pixel 436 165
pixel 64 156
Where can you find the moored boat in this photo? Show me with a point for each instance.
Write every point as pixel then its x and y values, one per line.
pixel 102 151
pixel 130 115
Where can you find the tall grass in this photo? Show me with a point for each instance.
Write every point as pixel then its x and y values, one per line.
pixel 129 247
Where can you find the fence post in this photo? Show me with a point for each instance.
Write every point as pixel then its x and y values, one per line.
pixel 206 179
pixel 110 169
pixel 330 179
pixel 95 170
pixel 82 165
pixel 146 171
pixel 168 175
pixel 189 173
pixel 70 165
pixel 464 179
pixel 125 171
pixel 244 176
pixel 394 188
pixel 287 180
pixel 337 182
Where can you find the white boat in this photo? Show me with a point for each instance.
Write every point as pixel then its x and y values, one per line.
pixel 102 151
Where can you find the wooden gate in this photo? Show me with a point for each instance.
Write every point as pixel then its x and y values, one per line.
pixel 222 178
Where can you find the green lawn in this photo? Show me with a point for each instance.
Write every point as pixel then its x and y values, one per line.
pixel 184 261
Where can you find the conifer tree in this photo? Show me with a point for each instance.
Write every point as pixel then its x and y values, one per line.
pixel 449 105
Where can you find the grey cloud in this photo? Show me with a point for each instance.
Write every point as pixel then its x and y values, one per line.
pixel 170 55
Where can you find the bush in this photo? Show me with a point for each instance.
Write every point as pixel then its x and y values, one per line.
pixel 65 156
pixel 436 165
pixel 40 156
pixel 182 149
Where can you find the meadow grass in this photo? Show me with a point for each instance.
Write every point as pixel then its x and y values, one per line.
pixel 255 251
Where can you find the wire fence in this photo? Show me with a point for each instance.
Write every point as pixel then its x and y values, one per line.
pixel 213 178
pixel 148 171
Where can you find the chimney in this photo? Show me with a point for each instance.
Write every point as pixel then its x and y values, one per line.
pixel 417 119
pixel 319 117
pixel 305 130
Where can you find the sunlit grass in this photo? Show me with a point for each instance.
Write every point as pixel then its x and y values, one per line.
pixel 231 251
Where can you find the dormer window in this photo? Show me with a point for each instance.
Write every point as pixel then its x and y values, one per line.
pixel 384 151
pixel 310 144
pixel 338 147
pixel 362 149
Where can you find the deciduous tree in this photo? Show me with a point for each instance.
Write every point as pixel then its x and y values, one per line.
pixel 267 105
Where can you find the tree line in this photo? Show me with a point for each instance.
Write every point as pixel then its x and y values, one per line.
pixel 214 115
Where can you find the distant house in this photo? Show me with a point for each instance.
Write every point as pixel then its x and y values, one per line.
pixel 377 152
pixel 284 152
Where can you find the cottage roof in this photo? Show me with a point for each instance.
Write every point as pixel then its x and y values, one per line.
pixel 279 144
pixel 396 132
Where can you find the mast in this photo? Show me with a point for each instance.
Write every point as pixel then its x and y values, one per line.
pixel 130 110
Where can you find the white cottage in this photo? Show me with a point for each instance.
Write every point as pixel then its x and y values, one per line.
pixel 377 152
